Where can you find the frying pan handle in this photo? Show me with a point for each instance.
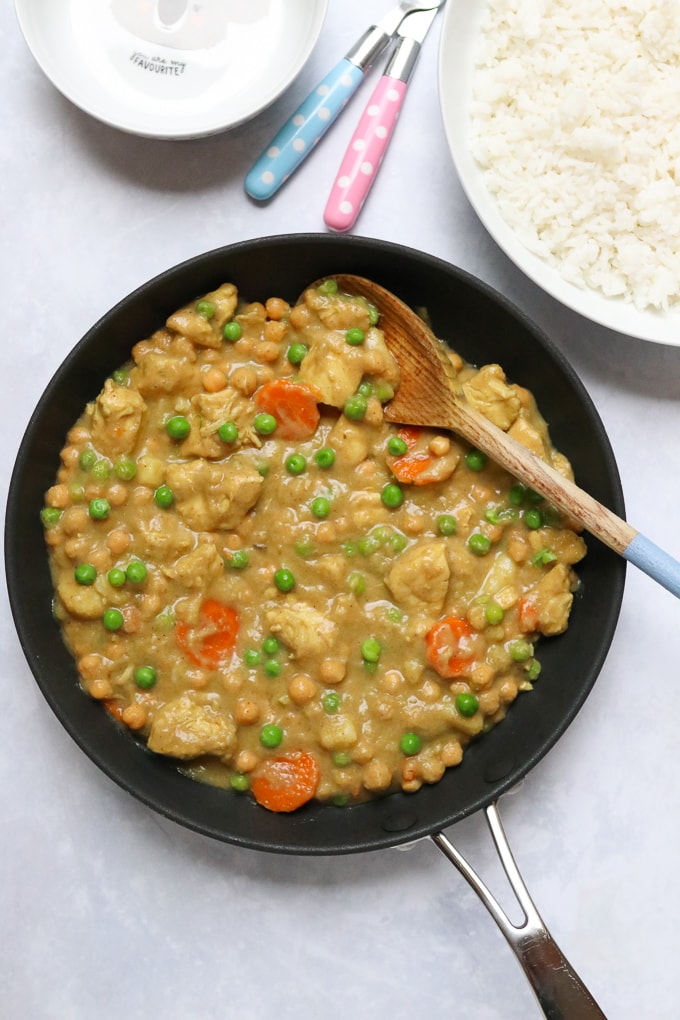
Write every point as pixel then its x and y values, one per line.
pixel 559 990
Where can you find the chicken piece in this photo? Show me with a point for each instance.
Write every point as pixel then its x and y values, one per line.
pixel 198 568
pixel 206 332
pixel 162 537
pixel 116 419
pixel 303 629
pixel 214 497
pixel 83 601
pixel 350 442
pixel 186 728
pixel 522 431
pixel 488 392
pixel 338 732
pixel 419 578
pixel 209 411
pixel 164 364
pixel 336 369
pixel 567 545
pixel 338 311
pixel 552 600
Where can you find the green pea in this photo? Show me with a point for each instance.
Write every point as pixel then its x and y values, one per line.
pixel 145 677
pixel 355 407
pixel 355 336
pixel 271 645
pixel 205 308
pixel 164 621
pixel 328 287
pixel 239 782
pixel 476 460
pixel 232 331
pixel 49 515
pixel 479 544
pixel 498 515
pixel 325 457
pixel 264 423
pixel 447 524
pixel 116 577
pixel 341 759
pixel 392 495
pixel 349 549
pixel 164 497
pixel 368 544
pixel 516 494
pixel 493 614
pixel 76 492
pixel 272 668
pixel 533 496
pixel 398 542
pixel 533 669
pixel 284 580
pixel 99 509
pixel 85 574
pixel 87 459
pixel 520 650
pixel 120 376
pixel 410 743
pixel 296 464
pixel 305 547
pixel 321 507
pixel 125 469
pixel 383 391
pixel 271 735
pixel 371 649
pixel 340 800
pixel 394 614
pixel 533 519
pixel 373 315
pixel 365 389
pixel 252 657
pixel 238 560
pixel 136 572
pixel 356 583
pixel 263 468
pixel 296 353
pixel 466 704
pixel 178 427
pixel 113 619
pixel 396 446
pixel 543 557
pixel 228 432
pixel 101 470
pixel 331 703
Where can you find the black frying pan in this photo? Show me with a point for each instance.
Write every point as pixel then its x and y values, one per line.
pixel 483 327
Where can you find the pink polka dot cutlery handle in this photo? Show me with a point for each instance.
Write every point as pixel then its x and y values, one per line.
pixel 364 154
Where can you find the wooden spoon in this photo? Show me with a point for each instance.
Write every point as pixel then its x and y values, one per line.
pixel 426 396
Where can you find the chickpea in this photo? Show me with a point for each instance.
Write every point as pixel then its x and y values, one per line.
pixel 300 316
pixel 276 308
pixel 302 689
pixel 451 753
pixel 392 681
pixel 377 775
pixel 69 456
pixel 74 520
pixel 455 359
pixel 374 412
pixel 481 675
pixel 476 617
pixel 415 522
pixel 246 761
pixel 430 691
pixel 75 548
pixel 267 351
pixel 489 701
pixel 246 712
pixel 101 559
pixel 214 380
pixel 432 769
pixel 54 537
pixel 244 379
pixel 78 435
pixel 332 671
pixel 117 495
pixel 384 710
pixel 508 690
pixel 57 496
pixel 92 666
pixel 142 495
pixel 100 688
pixel 326 532
pixel 440 446
pixel 118 542
pixel 134 716
pixel 274 332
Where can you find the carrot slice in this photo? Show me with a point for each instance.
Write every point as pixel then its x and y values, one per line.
pixel 114 708
pixel 444 653
pixel 527 614
pixel 213 639
pixel 293 404
pixel 412 467
pixel 287 782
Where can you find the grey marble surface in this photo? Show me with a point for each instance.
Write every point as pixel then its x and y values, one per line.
pixel 109 912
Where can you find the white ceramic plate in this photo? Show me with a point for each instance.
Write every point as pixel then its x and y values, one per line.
pixel 171 68
pixel 461 30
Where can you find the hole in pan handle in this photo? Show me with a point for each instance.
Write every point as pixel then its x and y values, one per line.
pixel 558 988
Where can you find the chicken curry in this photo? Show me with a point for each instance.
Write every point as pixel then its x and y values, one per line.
pixel 275 587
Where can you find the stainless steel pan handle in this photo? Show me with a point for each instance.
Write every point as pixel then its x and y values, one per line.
pixel 558 988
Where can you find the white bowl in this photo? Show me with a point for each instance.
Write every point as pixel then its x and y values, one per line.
pixel 461 31
pixel 171 68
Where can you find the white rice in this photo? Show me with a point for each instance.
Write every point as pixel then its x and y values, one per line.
pixel 576 122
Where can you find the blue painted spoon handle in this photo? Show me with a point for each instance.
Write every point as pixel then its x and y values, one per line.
pixel 306 127
pixel 654 562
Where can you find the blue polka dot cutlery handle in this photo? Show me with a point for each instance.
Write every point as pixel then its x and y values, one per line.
pixel 306 127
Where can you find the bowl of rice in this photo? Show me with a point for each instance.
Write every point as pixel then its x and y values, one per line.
pixel 561 118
